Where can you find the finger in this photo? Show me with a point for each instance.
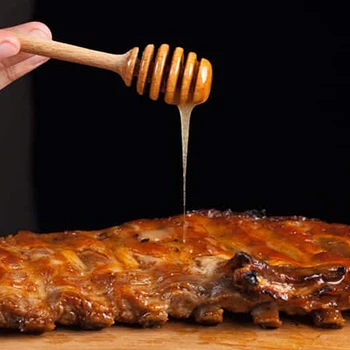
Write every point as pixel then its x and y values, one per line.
pixel 32 28
pixel 22 56
pixel 7 49
pixel 12 73
pixel 9 44
pixel 15 67
pixel 27 28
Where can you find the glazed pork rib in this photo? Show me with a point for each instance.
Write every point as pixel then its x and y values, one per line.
pixel 142 272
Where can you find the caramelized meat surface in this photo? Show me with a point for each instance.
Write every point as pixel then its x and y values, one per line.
pixel 143 272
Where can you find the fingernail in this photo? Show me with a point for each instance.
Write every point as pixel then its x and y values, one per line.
pixel 7 49
pixel 38 33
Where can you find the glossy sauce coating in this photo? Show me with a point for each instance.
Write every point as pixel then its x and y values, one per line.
pixel 142 272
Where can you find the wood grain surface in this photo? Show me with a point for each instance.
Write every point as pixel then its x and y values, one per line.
pixel 234 333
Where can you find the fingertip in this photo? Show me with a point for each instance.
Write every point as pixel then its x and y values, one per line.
pixel 9 46
pixel 40 29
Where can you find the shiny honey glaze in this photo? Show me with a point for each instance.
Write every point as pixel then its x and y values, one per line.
pixel 143 269
pixel 292 241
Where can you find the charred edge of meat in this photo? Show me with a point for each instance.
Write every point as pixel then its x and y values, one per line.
pixel 271 288
pixel 250 278
pixel 284 274
pixel 240 259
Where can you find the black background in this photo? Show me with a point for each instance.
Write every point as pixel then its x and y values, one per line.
pixel 273 135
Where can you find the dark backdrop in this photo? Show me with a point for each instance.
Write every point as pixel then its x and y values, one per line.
pixel 17 207
pixel 273 135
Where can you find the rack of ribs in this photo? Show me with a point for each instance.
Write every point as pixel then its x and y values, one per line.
pixel 143 272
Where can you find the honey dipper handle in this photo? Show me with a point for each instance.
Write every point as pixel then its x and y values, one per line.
pixel 72 53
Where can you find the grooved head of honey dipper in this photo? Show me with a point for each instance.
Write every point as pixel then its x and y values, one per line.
pixel 183 80
pixel 188 82
pixel 203 82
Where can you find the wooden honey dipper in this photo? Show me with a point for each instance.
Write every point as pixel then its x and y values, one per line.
pixel 181 82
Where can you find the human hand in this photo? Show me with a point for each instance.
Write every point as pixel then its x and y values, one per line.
pixel 13 63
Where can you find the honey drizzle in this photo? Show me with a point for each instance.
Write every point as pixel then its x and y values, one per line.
pixel 185 116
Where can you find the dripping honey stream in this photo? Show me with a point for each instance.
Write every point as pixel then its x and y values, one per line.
pixel 185 117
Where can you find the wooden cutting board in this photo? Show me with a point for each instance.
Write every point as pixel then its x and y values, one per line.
pixel 234 333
